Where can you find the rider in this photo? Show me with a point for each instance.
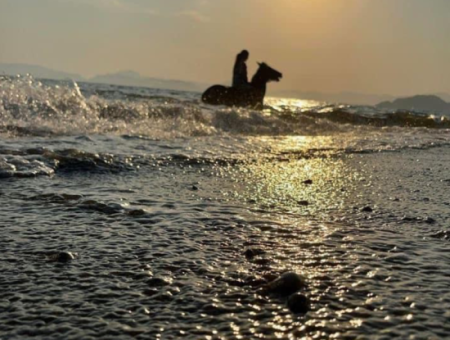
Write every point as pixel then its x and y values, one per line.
pixel 240 71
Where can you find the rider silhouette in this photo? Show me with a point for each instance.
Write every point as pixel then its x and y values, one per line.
pixel 240 78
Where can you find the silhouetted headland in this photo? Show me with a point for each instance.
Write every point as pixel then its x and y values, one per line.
pixel 426 103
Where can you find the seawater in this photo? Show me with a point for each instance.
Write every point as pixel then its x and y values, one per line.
pixel 160 196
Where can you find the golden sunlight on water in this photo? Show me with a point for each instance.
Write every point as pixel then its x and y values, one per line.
pixel 293 104
pixel 300 145
pixel 300 179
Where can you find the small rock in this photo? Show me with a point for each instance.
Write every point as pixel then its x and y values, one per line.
pixel 194 188
pixel 308 182
pixel 287 284
pixel 62 257
pixel 158 282
pixel 252 252
pixel 409 219
pixel 303 203
pixel 443 234
pixel 298 303
pixel 430 220
pixel 262 261
pixel 367 209
pixel 136 212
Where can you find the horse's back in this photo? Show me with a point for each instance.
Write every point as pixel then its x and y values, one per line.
pixel 231 96
pixel 216 95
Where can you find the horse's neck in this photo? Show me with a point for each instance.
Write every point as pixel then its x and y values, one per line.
pixel 259 82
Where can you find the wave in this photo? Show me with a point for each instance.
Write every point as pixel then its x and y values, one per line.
pixel 32 108
pixel 45 162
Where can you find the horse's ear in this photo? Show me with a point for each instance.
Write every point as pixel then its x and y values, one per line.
pixel 259 63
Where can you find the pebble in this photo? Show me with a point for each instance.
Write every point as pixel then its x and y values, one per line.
pixel 409 219
pixel 252 252
pixel 287 284
pixel 303 203
pixel 308 182
pixel 298 303
pixel 158 282
pixel 443 234
pixel 62 257
pixel 430 220
pixel 136 212
pixel 367 209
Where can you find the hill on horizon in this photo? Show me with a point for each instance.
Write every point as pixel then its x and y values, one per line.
pixel 424 103
pixel 37 72
pixel 125 78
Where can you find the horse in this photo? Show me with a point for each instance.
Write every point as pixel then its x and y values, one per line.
pixel 235 96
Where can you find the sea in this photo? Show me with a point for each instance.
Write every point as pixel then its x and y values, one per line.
pixel 176 214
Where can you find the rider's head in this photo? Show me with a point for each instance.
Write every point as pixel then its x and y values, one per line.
pixel 243 56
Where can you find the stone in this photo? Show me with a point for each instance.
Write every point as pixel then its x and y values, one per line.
pixel 298 303
pixel 158 282
pixel 62 257
pixel 136 212
pixel 252 252
pixel 287 284
pixel 430 220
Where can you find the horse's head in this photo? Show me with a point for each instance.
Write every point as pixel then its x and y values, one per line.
pixel 269 73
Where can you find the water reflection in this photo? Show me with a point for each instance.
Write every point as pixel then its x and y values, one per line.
pixel 293 105
pixel 297 180
pixel 159 259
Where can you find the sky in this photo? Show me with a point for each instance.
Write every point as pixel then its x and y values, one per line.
pixel 396 47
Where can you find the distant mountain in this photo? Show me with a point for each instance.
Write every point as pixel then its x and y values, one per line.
pixel 352 98
pixel 443 95
pixel 131 78
pixel 37 72
pixel 126 78
pixel 425 103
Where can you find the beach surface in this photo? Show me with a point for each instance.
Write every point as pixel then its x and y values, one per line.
pixel 177 214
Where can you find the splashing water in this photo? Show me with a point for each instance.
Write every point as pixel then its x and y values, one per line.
pixel 31 107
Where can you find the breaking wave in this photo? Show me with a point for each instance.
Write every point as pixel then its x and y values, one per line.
pixel 29 107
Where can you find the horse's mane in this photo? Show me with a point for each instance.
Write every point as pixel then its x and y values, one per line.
pixel 258 73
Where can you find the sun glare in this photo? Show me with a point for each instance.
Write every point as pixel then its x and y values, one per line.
pixel 299 105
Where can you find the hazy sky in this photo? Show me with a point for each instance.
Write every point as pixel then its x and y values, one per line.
pixel 398 47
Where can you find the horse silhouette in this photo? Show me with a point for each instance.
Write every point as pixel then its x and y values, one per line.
pixel 245 97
